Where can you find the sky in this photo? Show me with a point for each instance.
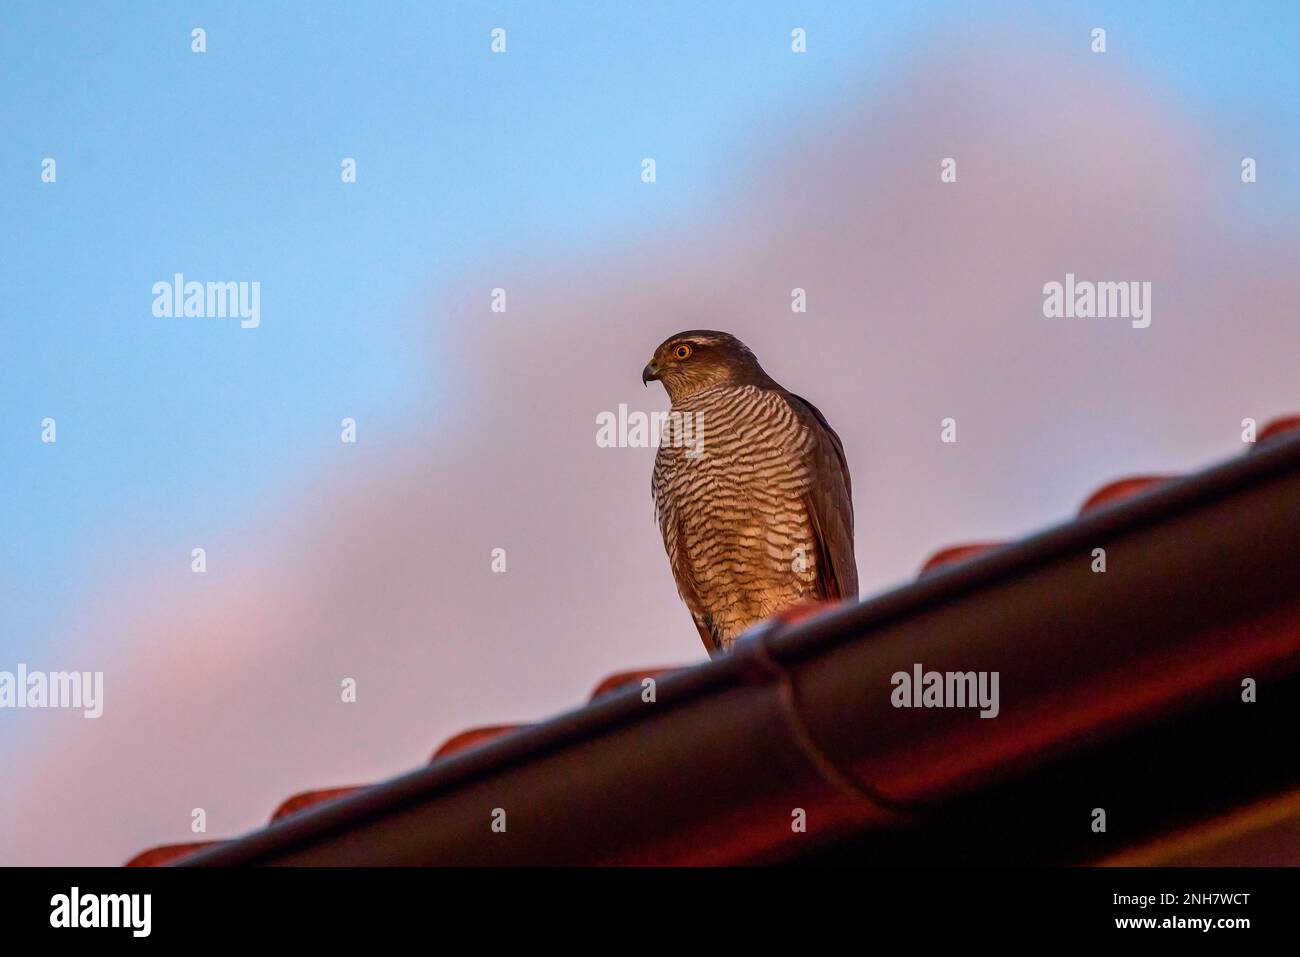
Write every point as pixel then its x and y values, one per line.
pixel 476 430
pixel 226 165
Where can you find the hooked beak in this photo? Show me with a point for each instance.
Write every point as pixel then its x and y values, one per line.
pixel 650 372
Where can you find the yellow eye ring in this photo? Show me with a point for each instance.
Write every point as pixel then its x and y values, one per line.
pixel 682 352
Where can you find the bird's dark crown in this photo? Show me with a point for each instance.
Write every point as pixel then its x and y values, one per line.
pixel 698 359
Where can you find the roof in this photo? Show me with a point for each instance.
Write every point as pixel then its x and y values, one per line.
pixel 1102 675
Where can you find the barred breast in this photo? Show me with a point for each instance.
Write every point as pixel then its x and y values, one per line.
pixel 734 517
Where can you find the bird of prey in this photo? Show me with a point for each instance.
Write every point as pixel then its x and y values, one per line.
pixel 756 510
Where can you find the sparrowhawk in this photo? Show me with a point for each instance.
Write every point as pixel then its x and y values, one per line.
pixel 755 504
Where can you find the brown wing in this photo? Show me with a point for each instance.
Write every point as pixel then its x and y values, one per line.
pixel 830 506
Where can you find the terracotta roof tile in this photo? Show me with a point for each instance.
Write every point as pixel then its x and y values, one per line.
pixel 956 553
pixel 166 853
pixel 1122 489
pixel 473 737
pixel 1278 428
pixel 622 679
pixel 308 798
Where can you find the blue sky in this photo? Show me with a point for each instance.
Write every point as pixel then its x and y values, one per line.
pixel 225 166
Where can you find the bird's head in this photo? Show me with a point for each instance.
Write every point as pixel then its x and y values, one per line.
pixel 700 359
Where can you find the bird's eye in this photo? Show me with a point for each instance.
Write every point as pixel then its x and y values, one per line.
pixel 682 352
